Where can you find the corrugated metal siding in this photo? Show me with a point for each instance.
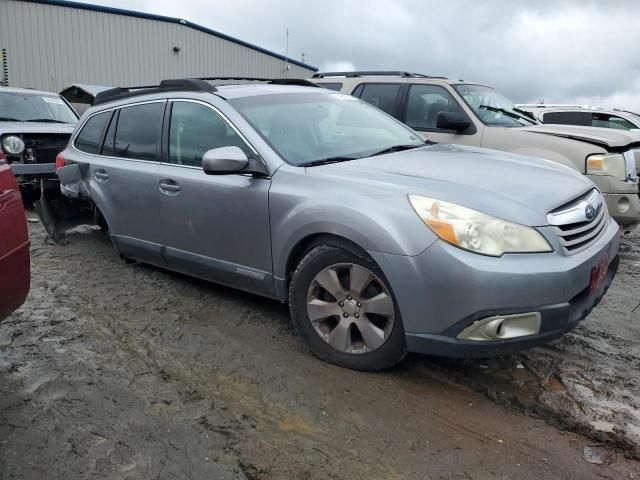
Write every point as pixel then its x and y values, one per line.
pixel 50 47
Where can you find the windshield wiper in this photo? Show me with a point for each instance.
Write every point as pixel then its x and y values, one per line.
pixel 45 120
pixel 508 113
pixel 327 161
pixel 529 115
pixel 397 148
pixel 9 119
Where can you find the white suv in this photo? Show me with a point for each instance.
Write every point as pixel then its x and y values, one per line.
pixel 586 116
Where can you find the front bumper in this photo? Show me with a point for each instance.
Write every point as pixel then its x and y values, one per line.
pixel 443 290
pixel 33 168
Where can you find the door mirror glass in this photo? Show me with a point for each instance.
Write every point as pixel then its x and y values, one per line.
pixel 224 160
pixel 452 121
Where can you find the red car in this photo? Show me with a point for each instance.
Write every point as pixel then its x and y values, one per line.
pixel 15 265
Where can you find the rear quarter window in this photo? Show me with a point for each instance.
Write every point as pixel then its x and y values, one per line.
pixel 568 118
pixel 89 138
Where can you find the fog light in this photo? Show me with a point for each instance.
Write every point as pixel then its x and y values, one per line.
pixel 502 327
pixel 623 205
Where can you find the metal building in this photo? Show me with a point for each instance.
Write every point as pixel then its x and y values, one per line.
pixel 51 44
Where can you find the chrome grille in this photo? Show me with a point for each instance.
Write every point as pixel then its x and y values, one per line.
pixel 571 223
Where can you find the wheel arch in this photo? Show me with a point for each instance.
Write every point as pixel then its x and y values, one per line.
pixel 308 243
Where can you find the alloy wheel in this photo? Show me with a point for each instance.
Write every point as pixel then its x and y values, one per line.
pixel 350 308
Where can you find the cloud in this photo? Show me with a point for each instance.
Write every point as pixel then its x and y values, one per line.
pixel 560 51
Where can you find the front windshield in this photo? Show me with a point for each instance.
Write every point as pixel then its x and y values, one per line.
pixel 492 108
pixel 311 127
pixel 31 107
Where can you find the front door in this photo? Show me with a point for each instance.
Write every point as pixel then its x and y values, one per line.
pixel 215 226
pixel 424 103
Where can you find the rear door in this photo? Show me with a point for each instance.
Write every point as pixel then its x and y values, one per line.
pixel 14 244
pixel 385 96
pixel 216 226
pixel 122 176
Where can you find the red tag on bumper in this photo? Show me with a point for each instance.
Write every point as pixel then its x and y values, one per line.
pixel 598 274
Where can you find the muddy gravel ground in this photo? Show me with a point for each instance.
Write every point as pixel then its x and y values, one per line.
pixel 130 372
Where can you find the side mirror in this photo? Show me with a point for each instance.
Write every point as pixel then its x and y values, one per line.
pixel 452 121
pixel 224 160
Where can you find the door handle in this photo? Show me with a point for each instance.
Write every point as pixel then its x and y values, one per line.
pixel 169 187
pixel 101 175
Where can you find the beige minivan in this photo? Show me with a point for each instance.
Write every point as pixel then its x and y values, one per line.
pixel 455 111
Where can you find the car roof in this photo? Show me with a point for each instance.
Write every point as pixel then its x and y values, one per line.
pixel 252 90
pixel 384 77
pixel 570 108
pixel 26 91
pixel 201 87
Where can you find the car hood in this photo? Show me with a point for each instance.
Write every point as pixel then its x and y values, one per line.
pixel 513 187
pixel 35 127
pixel 605 137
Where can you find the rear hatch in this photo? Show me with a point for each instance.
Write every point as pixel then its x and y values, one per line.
pixel 14 245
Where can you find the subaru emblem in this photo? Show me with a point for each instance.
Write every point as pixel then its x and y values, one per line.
pixel 589 212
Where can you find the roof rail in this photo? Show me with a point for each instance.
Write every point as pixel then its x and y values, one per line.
pixel 372 73
pixel 558 105
pixel 184 84
pixel 273 81
pixel 188 85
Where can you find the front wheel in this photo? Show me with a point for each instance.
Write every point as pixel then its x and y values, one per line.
pixel 342 305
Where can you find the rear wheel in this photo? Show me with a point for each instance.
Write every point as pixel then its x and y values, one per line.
pixel 343 307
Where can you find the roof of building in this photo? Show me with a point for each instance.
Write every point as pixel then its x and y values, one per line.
pixel 180 21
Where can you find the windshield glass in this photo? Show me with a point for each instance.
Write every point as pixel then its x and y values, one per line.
pixel 492 108
pixel 311 127
pixel 31 107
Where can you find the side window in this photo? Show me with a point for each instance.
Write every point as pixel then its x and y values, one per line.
pixel 331 86
pixel 426 102
pixel 88 140
pixel 605 120
pixel 110 137
pixel 196 128
pixel 381 95
pixel 138 131
pixel 568 118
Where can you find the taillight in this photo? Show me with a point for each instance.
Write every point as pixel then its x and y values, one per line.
pixel 59 161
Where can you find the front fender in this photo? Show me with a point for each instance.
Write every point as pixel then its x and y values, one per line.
pixel 376 220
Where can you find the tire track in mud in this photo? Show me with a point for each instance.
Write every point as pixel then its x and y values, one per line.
pixel 205 360
pixel 587 381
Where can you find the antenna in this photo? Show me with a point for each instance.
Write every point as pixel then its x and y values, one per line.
pixel 286 66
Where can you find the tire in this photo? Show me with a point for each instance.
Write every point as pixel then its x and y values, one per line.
pixel 355 323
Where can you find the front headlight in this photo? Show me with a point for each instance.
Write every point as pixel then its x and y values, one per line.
pixel 475 231
pixel 610 164
pixel 12 145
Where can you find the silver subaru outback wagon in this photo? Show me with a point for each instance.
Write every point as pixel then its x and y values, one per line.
pixel 380 243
